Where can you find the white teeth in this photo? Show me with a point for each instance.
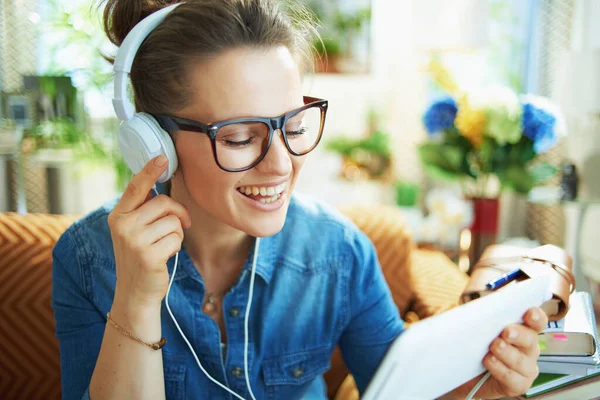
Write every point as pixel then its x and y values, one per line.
pixel 263 191
pixel 270 199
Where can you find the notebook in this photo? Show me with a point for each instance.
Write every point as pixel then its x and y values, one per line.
pixel 545 383
pixel 574 335
pixel 442 352
pixel 570 368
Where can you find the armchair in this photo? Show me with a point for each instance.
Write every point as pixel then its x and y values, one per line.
pixel 422 282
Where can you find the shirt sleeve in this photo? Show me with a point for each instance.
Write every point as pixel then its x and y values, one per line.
pixel 374 320
pixel 79 324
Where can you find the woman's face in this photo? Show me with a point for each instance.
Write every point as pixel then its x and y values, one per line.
pixel 236 84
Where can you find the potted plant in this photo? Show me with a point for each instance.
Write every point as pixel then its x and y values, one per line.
pixel 327 52
pixel 367 157
pixel 340 29
pixel 493 134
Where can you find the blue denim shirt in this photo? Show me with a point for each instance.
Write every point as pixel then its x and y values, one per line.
pixel 318 284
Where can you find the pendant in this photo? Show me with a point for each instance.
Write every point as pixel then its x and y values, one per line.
pixel 209 304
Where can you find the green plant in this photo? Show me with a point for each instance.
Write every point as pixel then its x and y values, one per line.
pixel 338 28
pixel 78 25
pixel 372 153
pixel 407 193
pixel 377 143
pixel 327 46
pixel 58 133
pixel 75 27
pixel 493 132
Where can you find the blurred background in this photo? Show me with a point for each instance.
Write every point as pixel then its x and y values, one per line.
pixel 479 119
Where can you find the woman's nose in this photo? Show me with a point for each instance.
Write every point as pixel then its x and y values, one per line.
pixel 277 161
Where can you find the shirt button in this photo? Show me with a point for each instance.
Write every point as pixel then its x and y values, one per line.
pixel 237 372
pixel 234 312
pixel 298 372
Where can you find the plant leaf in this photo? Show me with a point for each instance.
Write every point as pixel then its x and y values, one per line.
pixel 440 174
pixel 516 177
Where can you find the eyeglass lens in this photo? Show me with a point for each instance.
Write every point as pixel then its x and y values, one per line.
pixel 239 145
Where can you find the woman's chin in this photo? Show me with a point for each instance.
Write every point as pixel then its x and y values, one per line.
pixel 265 225
pixel 263 219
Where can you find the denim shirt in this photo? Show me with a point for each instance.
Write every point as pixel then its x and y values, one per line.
pixel 318 284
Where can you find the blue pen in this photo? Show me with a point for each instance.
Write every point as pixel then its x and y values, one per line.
pixel 503 280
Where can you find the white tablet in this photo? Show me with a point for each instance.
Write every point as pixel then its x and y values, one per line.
pixel 442 352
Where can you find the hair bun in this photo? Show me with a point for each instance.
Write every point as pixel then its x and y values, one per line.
pixel 120 16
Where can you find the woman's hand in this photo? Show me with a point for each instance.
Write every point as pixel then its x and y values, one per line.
pixel 512 359
pixel 146 232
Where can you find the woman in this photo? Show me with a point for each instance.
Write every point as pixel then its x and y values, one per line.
pixel 318 283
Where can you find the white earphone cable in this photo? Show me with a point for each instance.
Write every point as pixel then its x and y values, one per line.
pixel 246 333
pixel 247 316
pixel 483 379
pixel 245 324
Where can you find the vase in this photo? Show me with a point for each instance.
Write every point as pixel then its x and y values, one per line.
pixel 484 228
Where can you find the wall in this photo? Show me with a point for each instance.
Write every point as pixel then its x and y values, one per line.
pixel 395 88
pixel 583 143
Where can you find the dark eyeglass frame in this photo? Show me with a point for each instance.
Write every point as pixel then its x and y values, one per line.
pixel 170 123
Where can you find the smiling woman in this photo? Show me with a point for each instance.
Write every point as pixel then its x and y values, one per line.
pixel 259 284
pixel 222 79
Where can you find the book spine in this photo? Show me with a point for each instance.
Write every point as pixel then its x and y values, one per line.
pixel 589 309
pixel 563 368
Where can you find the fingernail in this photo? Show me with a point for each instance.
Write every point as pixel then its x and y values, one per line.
pixel 501 345
pixel 512 334
pixel 160 160
pixel 493 359
pixel 535 316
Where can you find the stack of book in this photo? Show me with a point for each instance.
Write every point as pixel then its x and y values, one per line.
pixel 570 349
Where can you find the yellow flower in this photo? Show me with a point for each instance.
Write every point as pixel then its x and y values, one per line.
pixel 442 76
pixel 470 121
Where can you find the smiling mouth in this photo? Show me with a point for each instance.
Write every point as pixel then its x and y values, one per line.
pixel 263 194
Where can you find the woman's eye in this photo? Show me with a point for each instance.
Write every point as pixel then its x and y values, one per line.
pixel 297 132
pixel 237 143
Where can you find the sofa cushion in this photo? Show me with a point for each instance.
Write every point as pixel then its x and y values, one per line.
pixel 30 356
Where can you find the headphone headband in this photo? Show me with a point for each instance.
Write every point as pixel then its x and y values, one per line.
pixel 125 56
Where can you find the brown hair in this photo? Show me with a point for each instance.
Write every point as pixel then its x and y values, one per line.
pixel 198 30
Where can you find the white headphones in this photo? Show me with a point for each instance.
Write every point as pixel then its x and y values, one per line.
pixel 140 136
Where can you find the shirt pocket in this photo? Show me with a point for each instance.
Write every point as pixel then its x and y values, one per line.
pixel 174 367
pixel 288 376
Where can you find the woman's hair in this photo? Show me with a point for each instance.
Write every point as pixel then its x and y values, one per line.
pixel 199 30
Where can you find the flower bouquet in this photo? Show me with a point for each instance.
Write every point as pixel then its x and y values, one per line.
pixel 493 132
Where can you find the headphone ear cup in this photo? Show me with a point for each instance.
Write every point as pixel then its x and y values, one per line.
pixel 141 139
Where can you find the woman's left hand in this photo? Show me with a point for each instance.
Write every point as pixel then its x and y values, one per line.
pixel 512 359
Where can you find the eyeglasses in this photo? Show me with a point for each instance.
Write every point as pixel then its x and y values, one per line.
pixel 240 144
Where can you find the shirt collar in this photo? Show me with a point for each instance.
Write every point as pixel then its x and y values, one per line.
pixel 265 264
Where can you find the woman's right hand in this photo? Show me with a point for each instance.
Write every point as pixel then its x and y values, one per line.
pixel 146 232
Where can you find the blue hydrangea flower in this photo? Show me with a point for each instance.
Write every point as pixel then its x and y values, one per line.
pixel 538 125
pixel 440 115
